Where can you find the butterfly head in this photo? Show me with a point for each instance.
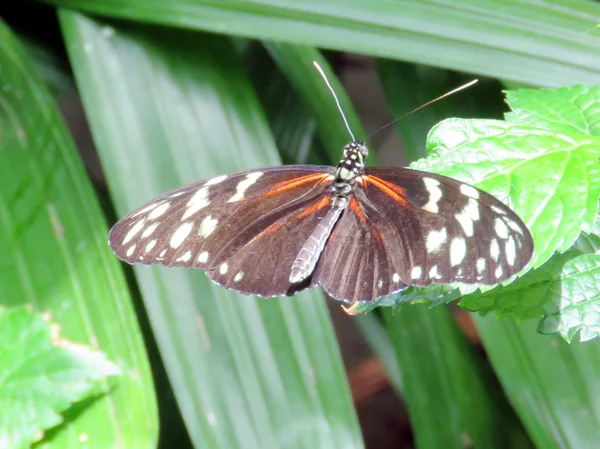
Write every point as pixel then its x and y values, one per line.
pixel 356 147
pixel 355 154
pixel 350 167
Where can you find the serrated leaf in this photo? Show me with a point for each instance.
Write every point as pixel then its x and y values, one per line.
pixel 551 180
pixel 565 291
pixel 574 109
pixel 42 375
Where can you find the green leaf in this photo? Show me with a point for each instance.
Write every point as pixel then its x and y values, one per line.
pixel 537 42
pixel 54 257
pixel 550 176
pixel 42 375
pixel 552 385
pixel 449 391
pixel 167 107
pixel 551 180
pixel 575 111
pixel 564 291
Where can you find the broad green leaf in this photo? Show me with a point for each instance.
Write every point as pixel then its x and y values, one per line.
pixel 551 180
pixel 564 291
pixel 542 43
pixel 42 375
pixel 575 111
pixel 167 107
pixel 553 386
pixel 53 257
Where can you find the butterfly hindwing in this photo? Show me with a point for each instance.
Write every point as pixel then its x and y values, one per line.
pixel 357 263
pixel 459 233
pixel 247 222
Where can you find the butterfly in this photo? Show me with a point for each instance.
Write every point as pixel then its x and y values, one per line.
pixel 360 233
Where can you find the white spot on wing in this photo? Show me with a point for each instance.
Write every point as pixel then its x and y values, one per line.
pixel 130 250
pixel 458 251
pixel 511 251
pixel 223 268
pixel 500 228
pixel 497 210
pixel 159 211
pixel 242 186
pixel 187 256
pixel 208 226
pixel 149 230
pixel 133 231
pixel 494 250
pixel 380 283
pixel 149 246
pixel 239 276
pixel 396 277
pixel 480 265
pixel 416 272
pixel 498 271
pixel 203 257
pixel 197 202
pixel 216 180
pixel 514 226
pixel 433 273
pixel 469 191
pixel 435 240
pixel 162 253
pixel 435 193
pixel 180 234
pixel 146 209
pixel 468 216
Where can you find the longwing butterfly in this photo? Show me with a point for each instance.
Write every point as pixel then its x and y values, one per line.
pixel 361 233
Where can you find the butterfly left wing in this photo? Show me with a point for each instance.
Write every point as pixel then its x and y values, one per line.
pixel 404 227
pixel 244 229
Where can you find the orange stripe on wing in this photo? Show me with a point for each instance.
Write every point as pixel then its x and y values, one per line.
pixel 393 191
pixel 355 207
pixel 268 231
pixel 284 186
pixel 323 202
pixel 375 233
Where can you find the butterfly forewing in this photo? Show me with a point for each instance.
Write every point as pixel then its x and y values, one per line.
pixel 232 226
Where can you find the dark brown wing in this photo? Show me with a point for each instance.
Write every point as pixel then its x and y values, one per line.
pixel 244 229
pixel 420 228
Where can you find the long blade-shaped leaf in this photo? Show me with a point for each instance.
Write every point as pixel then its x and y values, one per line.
pixel 543 43
pixel 53 256
pixel 165 108
pixel 552 385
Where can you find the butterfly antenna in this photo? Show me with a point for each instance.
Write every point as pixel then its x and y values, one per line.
pixel 337 102
pixel 447 94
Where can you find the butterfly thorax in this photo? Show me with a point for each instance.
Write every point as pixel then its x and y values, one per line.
pixel 349 168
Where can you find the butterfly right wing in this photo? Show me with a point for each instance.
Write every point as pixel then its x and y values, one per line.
pixel 252 222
